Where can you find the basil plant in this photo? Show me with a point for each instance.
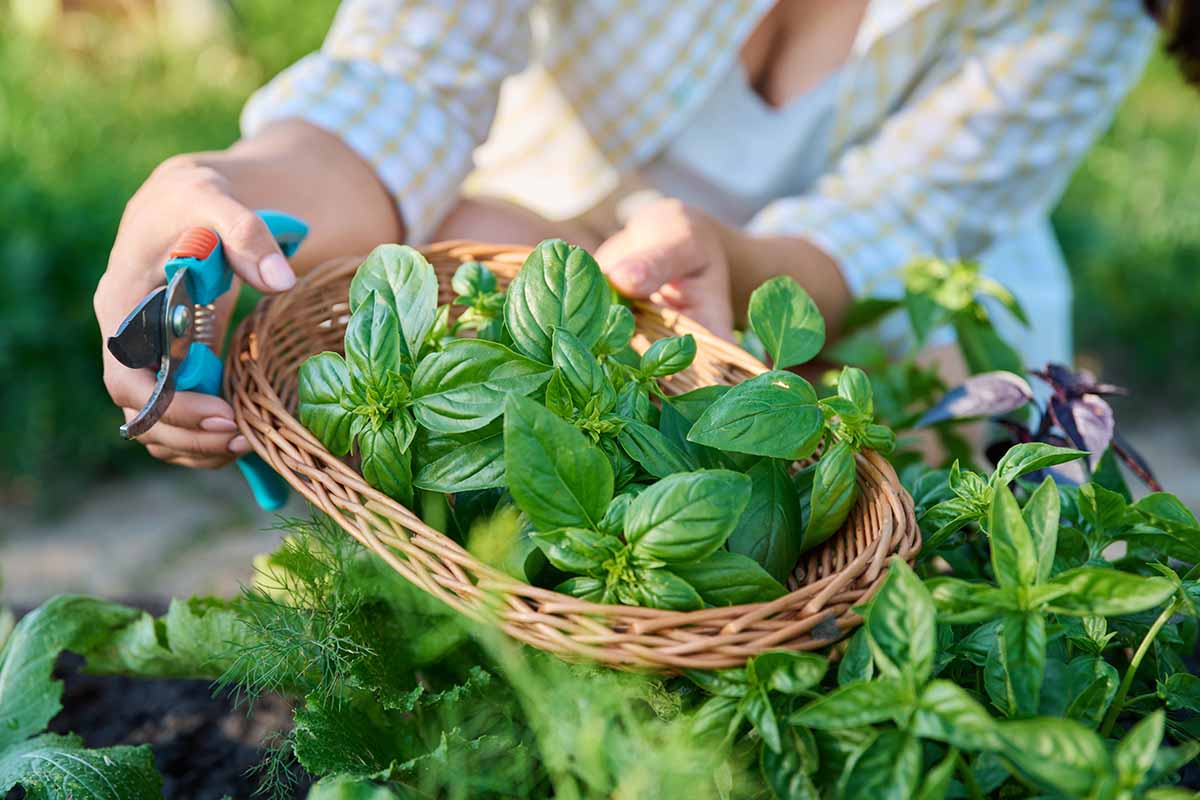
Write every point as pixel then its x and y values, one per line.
pixel 553 438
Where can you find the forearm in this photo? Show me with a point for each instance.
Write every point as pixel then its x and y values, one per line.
pixel 296 167
pixel 755 259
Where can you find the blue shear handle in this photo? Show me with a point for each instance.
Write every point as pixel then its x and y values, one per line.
pixel 208 279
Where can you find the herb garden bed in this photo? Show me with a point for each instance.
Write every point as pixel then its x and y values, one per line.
pixel 1040 644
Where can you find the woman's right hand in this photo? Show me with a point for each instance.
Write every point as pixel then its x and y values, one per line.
pixel 197 430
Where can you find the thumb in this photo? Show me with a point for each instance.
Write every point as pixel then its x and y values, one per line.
pixel 250 247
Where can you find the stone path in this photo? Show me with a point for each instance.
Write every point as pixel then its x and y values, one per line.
pixel 177 533
pixel 169 533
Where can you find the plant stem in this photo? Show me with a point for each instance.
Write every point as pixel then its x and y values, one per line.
pixel 968 779
pixel 1118 702
pixel 1147 696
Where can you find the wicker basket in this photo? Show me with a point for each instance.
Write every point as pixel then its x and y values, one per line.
pixel 265 355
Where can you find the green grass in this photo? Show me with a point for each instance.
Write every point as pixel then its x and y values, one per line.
pixel 86 115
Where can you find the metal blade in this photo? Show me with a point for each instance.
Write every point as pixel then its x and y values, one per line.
pixel 138 343
pixel 156 406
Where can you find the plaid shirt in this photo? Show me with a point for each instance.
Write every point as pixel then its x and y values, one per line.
pixel 958 120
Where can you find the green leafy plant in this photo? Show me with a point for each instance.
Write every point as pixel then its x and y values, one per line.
pixel 536 395
pixel 48 765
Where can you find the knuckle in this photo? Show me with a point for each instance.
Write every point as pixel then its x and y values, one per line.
pixel 245 231
pixel 176 163
pixel 117 388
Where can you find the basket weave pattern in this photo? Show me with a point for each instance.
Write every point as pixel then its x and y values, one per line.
pixel 265 355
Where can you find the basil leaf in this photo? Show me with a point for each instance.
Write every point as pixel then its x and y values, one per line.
pixel 675 424
pixel 1020 666
pixel 716 717
pixel 936 784
pixel 856 704
pixel 472 278
pixel 1041 514
pixel 660 588
pixel 947 713
pixel 668 356
pixel 834 492
pixel 888 769
pixel 554 474
pixel 581 372
pixel 463 387
pixel 1135 754
pixel 1181 690
pixel 1058 754
pixel 769 528
pixel 634 404
pixel 1030 457
pixel 590 589
pixel 474 465
pixel 1014 559
pixel 900 622
pixel 856 664
pixel 729 579
pixel 374 347
pixel 880 438
pixel 577 550
pixel 657 454
pixel 774 414
pixel 406 283
pixel 962 602
pixel 1099 680
pixel 686 516
pixel 1167 510
pixel 559 287
pixel 787 671
pixel 762 716
pixel 787 321
pixel 732 682
pixel 558 396
pixel 1104 592
pixel 386 465
pixel 855 386
pixel 982 347
pixel 788 771
pixel 614 516
pixel 619 327
pixel 322 381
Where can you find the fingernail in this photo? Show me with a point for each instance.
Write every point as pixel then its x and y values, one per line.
pixel 276 272
pixel 239 445
pixel 218 424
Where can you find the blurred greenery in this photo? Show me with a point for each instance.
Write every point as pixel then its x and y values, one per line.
pixel 1130 226
pixel 91 101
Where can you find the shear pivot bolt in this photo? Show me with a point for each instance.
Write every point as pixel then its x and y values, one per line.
pixel 181 319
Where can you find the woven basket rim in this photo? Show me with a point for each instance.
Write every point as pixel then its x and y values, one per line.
pixel 257 384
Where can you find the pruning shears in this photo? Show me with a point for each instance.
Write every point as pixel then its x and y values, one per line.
pixel 175 328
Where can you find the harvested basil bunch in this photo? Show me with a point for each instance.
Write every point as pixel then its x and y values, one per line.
pixel 553 436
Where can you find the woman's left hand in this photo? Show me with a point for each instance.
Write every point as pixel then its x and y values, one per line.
pixel 674 255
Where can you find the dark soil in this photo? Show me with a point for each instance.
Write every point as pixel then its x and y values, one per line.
pixel 204 746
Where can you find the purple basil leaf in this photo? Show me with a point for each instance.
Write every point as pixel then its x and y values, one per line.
pixel 1093 419
pixel 1133 459
pixel 1064 418
pixel 984 395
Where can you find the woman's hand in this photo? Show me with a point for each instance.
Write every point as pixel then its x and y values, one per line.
pixel 676 256
pixel 197 430
pixel 291 166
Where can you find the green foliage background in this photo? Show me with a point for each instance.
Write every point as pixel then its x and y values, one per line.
pixel 91 103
